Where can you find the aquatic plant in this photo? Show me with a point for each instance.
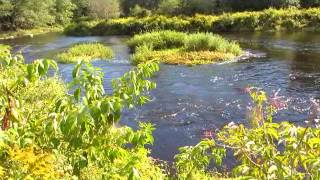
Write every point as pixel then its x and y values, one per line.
pixel 182 48
pixel 85 52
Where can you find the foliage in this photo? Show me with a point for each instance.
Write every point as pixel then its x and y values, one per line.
pixel 268 20
pixel 33 13
pixel 169 7
pixel 181 48
pixel 27 14
pixel 85 52
pixel 265 150
pixel 64 11
pixel 138 11
pixel 192 161
pixel 310 3
pixel 80 29
pixel 105 9
pixel 211 42
pixel 57 135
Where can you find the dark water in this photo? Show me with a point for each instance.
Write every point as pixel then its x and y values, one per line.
pixel 189 100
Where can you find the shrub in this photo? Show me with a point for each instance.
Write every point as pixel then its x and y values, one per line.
pixel 48 133
pixel 265 149
pixel 85 52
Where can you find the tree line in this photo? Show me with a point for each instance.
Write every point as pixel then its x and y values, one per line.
pixel 26 14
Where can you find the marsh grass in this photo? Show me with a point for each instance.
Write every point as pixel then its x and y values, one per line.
pixel 172 47
pixel 86 52
pixel 159 40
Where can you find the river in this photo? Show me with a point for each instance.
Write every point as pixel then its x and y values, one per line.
pixel 191 100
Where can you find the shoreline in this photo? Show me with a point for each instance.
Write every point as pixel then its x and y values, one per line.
pixel 21 33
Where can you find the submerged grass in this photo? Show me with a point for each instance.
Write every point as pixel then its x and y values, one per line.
pixel 172 47
pixel 86 52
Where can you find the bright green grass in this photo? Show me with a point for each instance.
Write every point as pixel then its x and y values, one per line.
pixel 172 47
pixel 86 52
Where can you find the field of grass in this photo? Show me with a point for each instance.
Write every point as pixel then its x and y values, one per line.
pixel 86 52
pixel 172 47
pixel 290 19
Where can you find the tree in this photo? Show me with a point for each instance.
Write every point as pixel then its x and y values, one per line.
pixel 82 8
pixel 33 13
pixel 139 11
pixel 104 9
pixel 127 5
pixel 310 3
pixel 6 8
pixel 170 7
pixel 285 3
pixel 64 11
pixel 200 6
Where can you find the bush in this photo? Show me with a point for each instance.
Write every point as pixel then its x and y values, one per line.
pixel 48 133
pixel 264 149
pixel 85 52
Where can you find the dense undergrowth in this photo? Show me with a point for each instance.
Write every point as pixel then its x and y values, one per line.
pixel 48 133
pixel 267 20
pixel 53 130
pixel 173 47
pixel 85 52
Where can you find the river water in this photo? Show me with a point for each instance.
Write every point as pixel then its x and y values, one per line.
pixel 191 100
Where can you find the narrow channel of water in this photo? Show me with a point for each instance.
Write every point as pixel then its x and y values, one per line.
pixel 189 100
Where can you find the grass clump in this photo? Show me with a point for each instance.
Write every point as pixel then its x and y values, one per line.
pixel 86 52
pixel 182 48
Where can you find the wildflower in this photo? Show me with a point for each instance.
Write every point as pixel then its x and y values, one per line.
pixel 207 134
pixel 248 89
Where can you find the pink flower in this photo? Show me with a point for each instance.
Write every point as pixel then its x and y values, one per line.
pixel 278 102
pixel 207 134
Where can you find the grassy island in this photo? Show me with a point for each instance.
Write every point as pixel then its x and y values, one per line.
pixel 86 52
pixel 172 47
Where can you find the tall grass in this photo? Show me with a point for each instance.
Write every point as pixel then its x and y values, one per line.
pixel 86 52
pixel 211 42
pixel 182 48
pixel 159 39
pixel 267 20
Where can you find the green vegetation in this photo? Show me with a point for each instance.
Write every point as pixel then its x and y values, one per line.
pixel 17 15
pixel 268 20
pixel 29 32
pixel 85 52
pixel 172 47
pixel 265 150
pixel 47 133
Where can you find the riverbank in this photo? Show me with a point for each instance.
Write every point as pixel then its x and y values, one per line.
pixel 291 19
pixel 4 35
